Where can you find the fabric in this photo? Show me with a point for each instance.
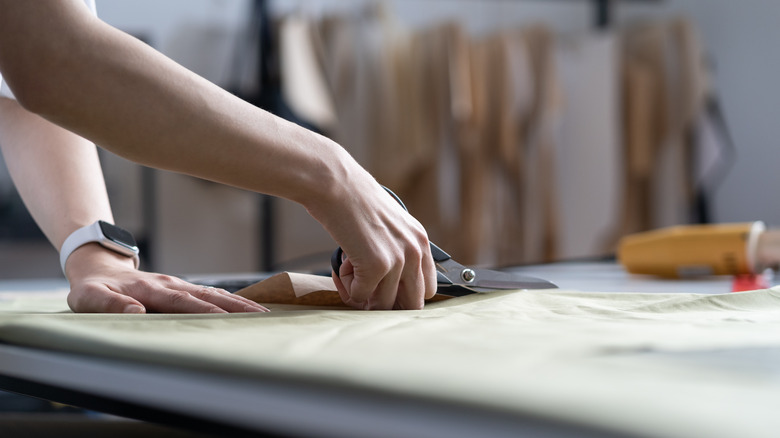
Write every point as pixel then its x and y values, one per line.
pixel 681 365
pixel 5 91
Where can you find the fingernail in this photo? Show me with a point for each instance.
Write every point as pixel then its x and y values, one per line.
pixel 133 308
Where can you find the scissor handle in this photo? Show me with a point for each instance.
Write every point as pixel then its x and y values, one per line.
pixel 335 261
pixel 438 254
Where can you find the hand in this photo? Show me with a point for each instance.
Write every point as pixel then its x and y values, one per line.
pixel 106 282
pixel 388 264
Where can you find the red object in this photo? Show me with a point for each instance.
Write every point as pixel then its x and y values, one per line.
pixel 746 282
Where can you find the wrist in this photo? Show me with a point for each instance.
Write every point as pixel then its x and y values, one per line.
pixel 331 181
pixel 107 235
pixel 92 257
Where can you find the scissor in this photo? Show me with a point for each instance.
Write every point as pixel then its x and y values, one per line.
pixel 457 280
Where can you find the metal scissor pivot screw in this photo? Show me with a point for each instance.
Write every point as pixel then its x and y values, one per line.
pixel 468 275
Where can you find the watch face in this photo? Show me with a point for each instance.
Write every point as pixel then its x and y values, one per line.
pixel 117 234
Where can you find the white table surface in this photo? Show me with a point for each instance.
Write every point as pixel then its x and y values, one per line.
pixel 611 277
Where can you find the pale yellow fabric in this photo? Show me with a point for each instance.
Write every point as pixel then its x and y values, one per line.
pixel 680 365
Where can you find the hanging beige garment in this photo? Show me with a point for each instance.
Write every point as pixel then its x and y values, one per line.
pixel 687 106
pixel 476 166
pixel 303 85
pixel 446 99
pixel 387 98
pixel 352 53
pixel 462 132
pixel 541 190
pixel 503 144
pixel 517 131
pixel 468 112
pixel 644 119
pixel 665 86
pixel 419 186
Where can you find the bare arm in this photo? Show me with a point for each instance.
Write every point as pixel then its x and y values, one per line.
pixel 94 80
pixel 59 178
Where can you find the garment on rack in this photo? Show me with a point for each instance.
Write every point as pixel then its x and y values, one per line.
pixel 303 87
pixel 388 91
pixel 476 133
pixel 665 87
pixel 516 100
pixel 454 124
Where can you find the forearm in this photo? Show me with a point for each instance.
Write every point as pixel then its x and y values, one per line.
pixel 106 86
pixel 120 93
pixel 56 172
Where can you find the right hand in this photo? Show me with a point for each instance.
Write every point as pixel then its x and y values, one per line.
pixel 388 262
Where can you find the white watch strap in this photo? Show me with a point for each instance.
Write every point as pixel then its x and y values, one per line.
pixel 82 236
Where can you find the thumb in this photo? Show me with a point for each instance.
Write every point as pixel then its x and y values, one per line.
pixel 100 299
pixel 345 283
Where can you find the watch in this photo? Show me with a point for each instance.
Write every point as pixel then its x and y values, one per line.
pixel 110 236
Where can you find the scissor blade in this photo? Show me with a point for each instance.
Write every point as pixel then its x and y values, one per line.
pixel 490 279
pixel 487 280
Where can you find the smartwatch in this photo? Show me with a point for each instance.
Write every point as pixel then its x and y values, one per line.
pixel 110 236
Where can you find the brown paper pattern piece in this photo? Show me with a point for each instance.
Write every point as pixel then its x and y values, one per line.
pixel 301 289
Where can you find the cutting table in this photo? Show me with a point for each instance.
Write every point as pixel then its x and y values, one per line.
pixel 608 355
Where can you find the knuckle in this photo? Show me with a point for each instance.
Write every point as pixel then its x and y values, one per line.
pixel 88 289
pixel 414 254
pixel 384 262
pixel 177 297
pixel 142 284
pixel 164 279
pixel 422 239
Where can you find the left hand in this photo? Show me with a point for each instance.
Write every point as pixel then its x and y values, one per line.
pixel 106 282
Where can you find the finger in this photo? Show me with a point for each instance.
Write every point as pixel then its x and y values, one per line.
pixel 245 300
pixel 429 274
pixel 386 292
pixel 98 298
pixel 369 285
pixel 411 290
pixel 343 294
pixel 347 280
pixel 217 296
pixel 167 300
pixel 226 301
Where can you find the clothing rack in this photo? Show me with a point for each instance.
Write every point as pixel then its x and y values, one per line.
pixel 269 98
pixel 603 10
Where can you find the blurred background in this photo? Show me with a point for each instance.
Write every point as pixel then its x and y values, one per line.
pixel 517 131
